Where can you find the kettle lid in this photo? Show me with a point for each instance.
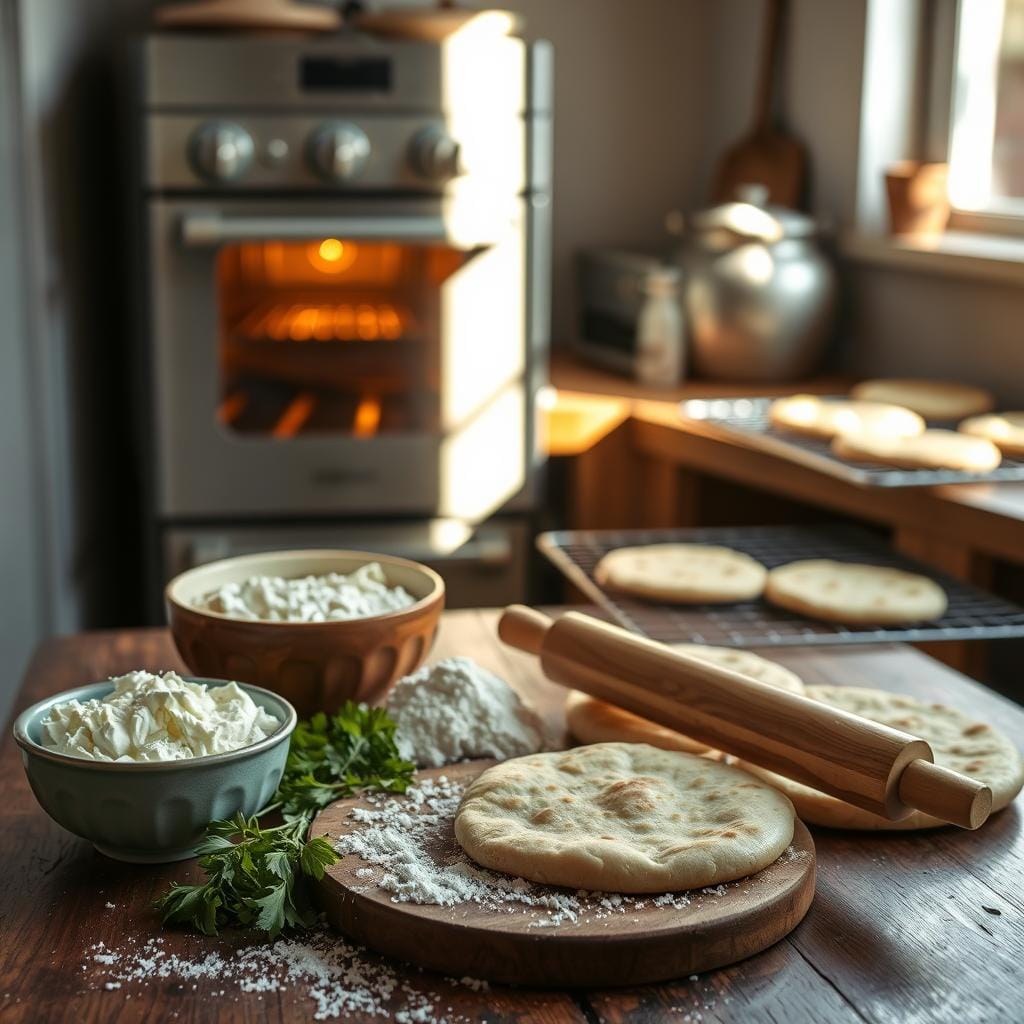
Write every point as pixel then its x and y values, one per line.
pixel 751 217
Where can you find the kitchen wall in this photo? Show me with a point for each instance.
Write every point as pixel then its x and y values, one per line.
pixel 22 566
pixel 66 517
pixel 630 101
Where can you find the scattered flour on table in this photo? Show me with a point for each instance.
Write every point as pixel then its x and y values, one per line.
pixel 399 835
pixel 454 709
pixel 342 980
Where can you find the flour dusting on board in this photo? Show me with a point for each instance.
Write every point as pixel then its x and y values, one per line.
pixel 454 709
pixel 398 833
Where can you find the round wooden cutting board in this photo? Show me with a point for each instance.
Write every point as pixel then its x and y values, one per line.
pixel 636 946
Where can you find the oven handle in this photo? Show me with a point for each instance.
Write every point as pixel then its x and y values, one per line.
pixel 211 229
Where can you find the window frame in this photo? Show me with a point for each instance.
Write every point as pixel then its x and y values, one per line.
pixel 949 96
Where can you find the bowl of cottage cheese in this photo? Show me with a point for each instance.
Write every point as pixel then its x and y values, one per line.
pixel 140 764
pixel 319 627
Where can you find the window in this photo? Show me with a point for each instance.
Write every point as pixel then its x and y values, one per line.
pixel 986 179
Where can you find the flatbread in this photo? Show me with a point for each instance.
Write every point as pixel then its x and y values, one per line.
pixel 1004 429
pixel 825 417
pixel 933 399
pixel 957 740
pixel 595 721
pixel 851 593
pixel 934 449
pixel 682 573
pixel 623 817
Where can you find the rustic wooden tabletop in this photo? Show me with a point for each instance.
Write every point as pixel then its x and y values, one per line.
pixel 921 927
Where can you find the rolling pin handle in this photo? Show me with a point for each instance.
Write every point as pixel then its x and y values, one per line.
pixel 523 627
pixel 945 794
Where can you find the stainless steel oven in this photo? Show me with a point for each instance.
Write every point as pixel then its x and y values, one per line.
pixel 346 265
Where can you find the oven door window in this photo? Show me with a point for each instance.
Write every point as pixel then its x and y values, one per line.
pixel 331 336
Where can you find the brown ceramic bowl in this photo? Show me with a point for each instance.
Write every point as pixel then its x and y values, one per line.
pixel 315 665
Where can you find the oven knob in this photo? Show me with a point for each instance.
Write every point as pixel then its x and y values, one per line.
pixel 221 151
pixel 435 155
pixel 339 151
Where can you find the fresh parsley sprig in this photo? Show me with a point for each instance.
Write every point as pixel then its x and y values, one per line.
pixel 252 879
pixel 256 876
pixel 334 756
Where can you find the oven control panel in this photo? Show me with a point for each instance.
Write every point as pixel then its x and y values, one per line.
pixel 246 152
pixel 220 151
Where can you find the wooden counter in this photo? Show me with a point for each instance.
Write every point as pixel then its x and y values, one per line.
pixel 967 519
pixel 924 927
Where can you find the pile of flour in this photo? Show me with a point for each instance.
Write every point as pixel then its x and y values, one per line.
pixel 454 709
pixel 329 598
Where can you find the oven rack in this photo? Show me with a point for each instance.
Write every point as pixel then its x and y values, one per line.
pixel 746 420
pixel 972 614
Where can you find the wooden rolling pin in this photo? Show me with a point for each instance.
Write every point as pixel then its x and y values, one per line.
pixel 880 769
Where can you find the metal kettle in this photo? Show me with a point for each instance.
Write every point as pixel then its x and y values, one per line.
pixel 758 291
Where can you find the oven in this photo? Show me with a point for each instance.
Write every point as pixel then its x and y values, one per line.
pixel 346 278
pixel 327 357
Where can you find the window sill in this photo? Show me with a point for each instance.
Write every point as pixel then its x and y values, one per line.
pixel 955 253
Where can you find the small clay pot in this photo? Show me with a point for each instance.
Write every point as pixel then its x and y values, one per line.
pixel 918 197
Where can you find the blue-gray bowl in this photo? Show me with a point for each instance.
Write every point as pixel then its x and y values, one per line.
pixel 151 812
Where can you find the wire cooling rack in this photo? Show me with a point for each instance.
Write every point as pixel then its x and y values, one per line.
pixel 746 420
pixel 972 614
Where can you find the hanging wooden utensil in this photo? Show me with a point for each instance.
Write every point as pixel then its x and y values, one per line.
pixel 767 155
pixel 882 770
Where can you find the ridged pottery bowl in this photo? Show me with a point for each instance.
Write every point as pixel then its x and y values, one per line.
pixel 151 812
pixel 315 665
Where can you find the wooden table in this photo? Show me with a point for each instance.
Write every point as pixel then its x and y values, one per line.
pixel 924 928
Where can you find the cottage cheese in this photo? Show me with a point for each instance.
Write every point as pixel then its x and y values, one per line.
pixel 326 598
pixel 157 718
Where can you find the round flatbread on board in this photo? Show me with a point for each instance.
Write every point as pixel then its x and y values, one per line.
pixel 623 817
pixel 595 721
pixel 826 417
pixel 1004 429
pixel 853 594
pixel 957 740
pixel 682 573
pixel 932 399
pixel 934 449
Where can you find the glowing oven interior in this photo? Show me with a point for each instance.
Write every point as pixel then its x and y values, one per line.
pixel 331 336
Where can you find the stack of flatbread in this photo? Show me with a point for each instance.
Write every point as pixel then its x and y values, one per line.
pixel 884 421
pixel 958 742
pixel 632 817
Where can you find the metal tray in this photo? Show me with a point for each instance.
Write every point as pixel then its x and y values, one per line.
pixel 745 420
pixel 972 614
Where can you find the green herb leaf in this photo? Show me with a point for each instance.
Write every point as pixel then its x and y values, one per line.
pixel 256 876
pixel 271 917
pixel 316 857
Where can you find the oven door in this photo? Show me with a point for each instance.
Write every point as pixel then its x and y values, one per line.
pixel 337 357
